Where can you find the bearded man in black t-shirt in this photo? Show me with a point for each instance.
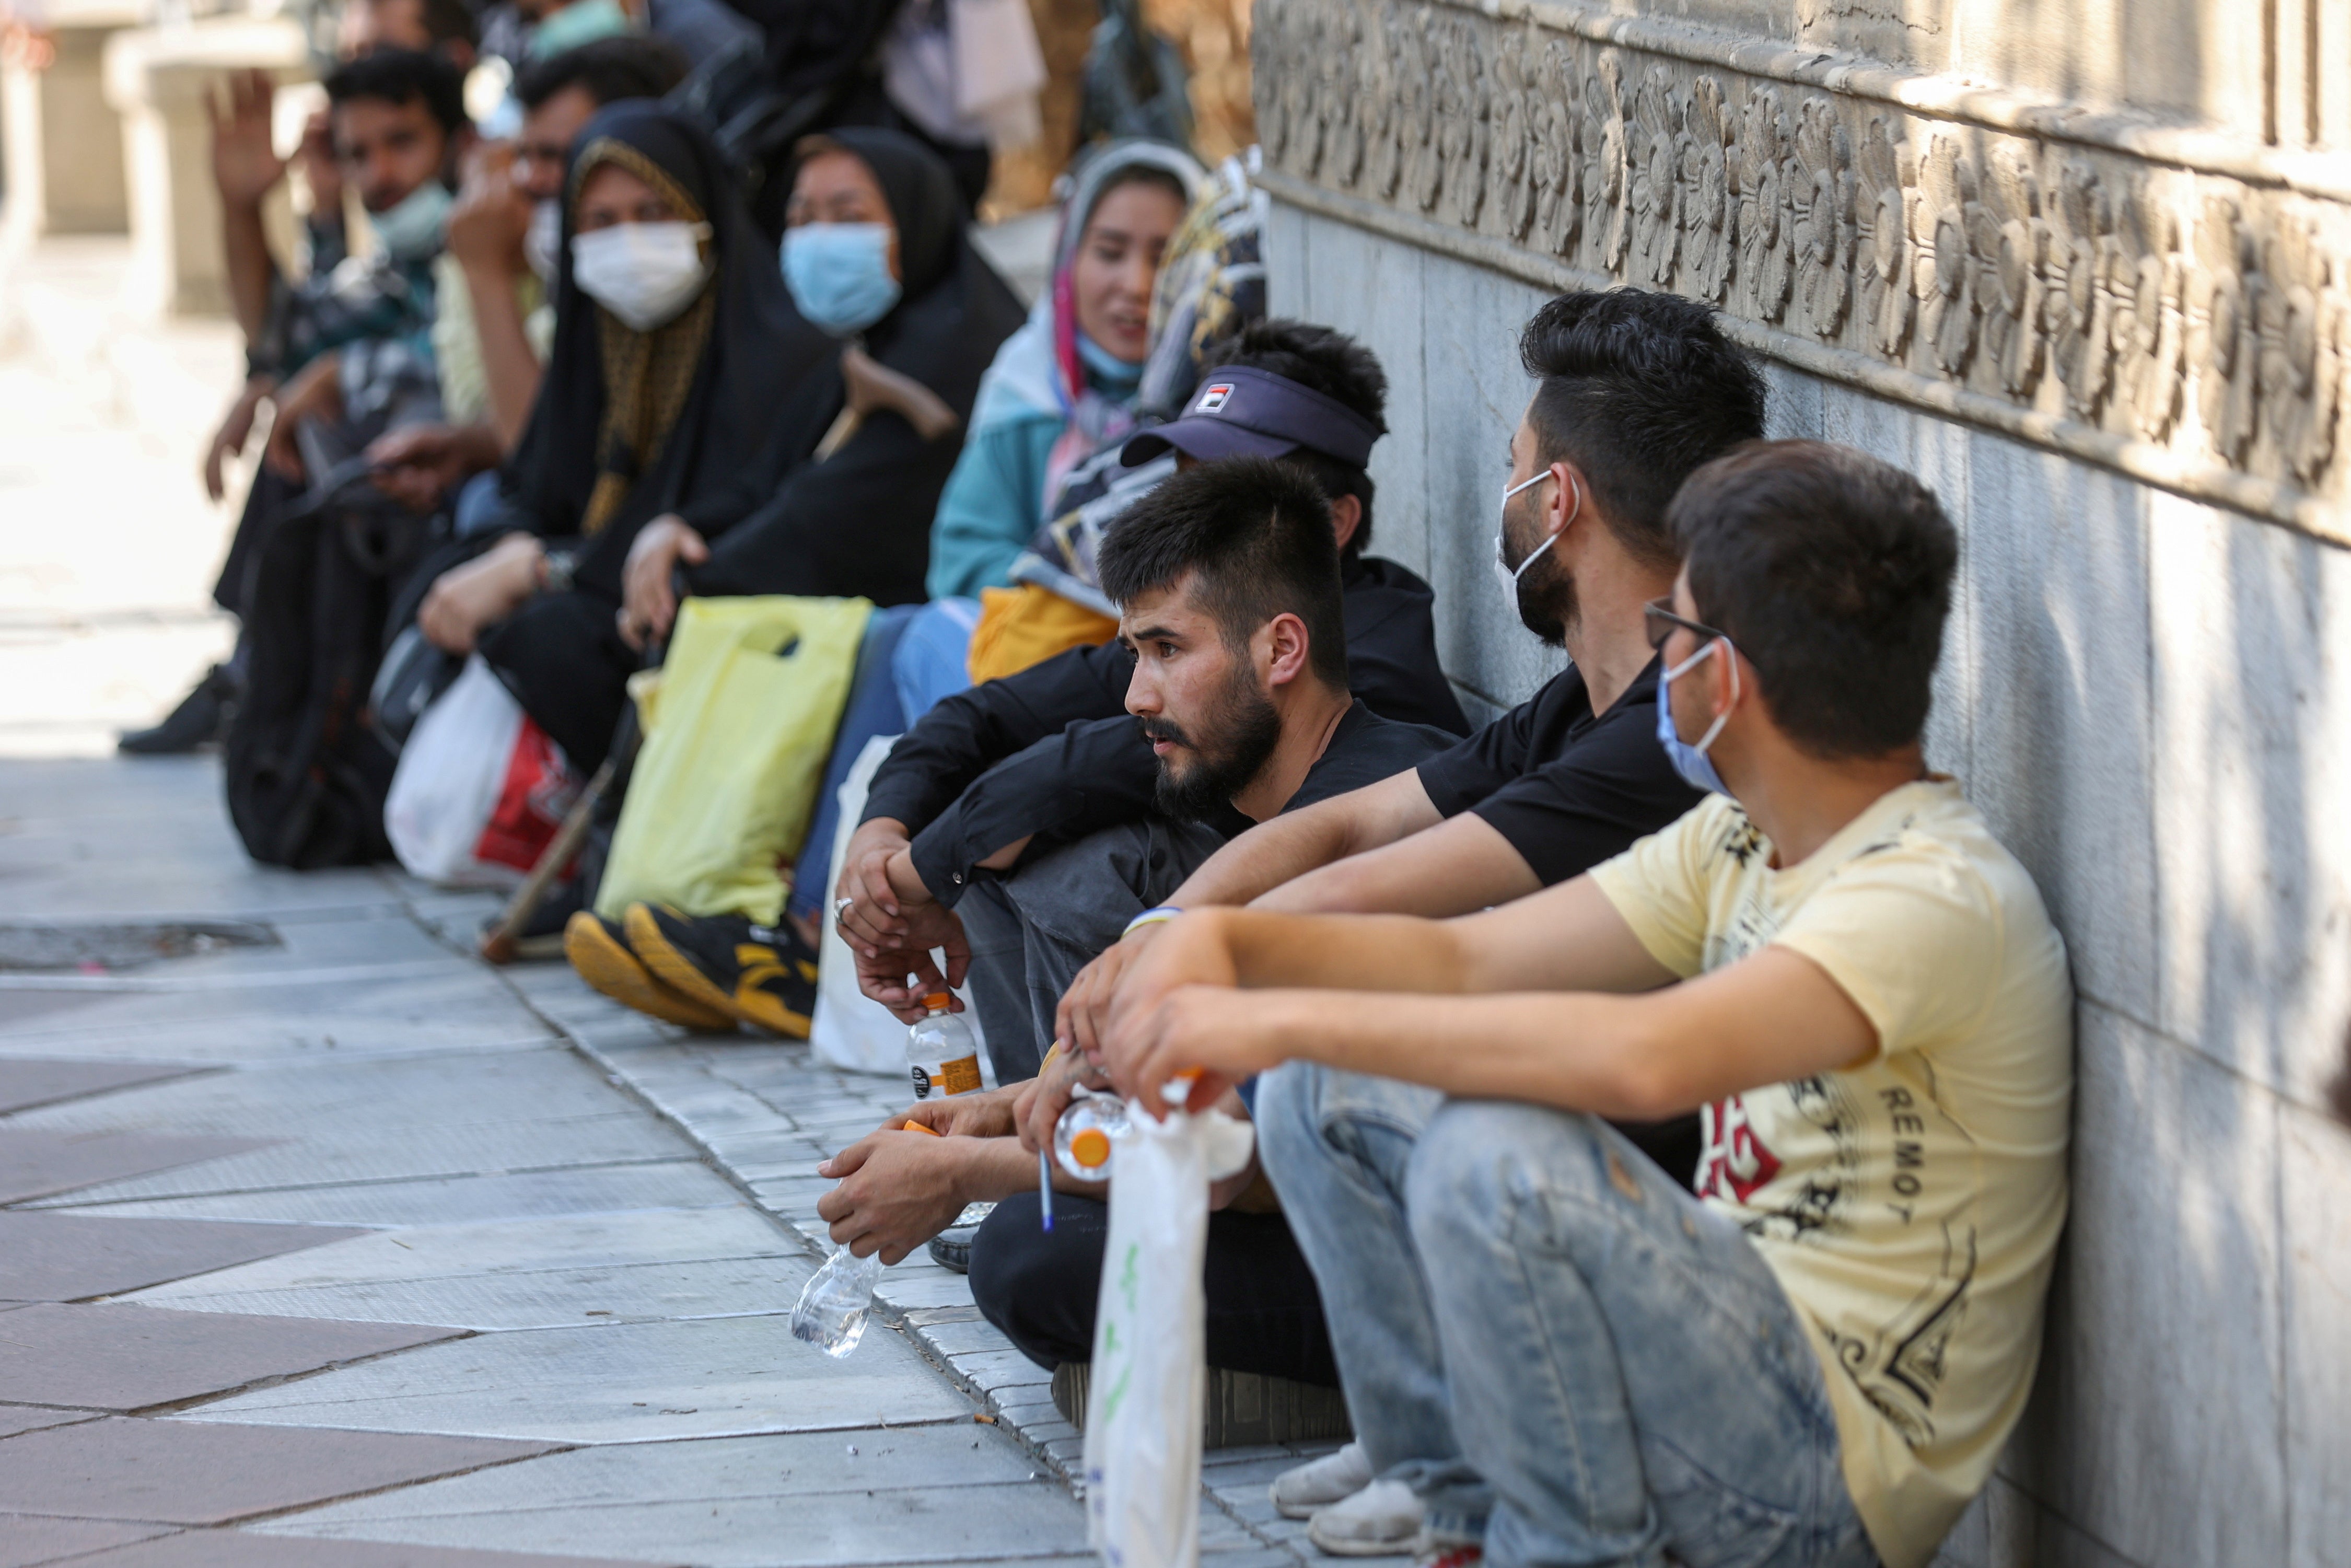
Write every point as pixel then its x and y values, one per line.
pixel 1226 581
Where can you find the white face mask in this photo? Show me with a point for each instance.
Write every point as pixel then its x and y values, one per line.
pixel 1503 575
pixel 646 273
pixel 542 242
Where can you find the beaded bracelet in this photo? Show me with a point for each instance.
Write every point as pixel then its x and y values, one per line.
pixel 1151 918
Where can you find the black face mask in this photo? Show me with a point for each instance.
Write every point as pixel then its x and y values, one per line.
pixel 1225 758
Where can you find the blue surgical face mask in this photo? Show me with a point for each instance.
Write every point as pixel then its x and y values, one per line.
pixel 1696 769
pixel 582 22
pixel 839 275
pixel 1103 364
pixel 410 229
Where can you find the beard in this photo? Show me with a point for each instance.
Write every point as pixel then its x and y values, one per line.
pixel 1226 755
pixel 1547 601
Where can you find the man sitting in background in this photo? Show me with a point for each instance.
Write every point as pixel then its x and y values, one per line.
pixel 351 339
pixel 1820 1356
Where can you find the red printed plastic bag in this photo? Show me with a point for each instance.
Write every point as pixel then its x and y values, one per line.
pixel 480 788
pixel 533 799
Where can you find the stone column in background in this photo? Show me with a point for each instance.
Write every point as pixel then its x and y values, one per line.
pixel 157 78
pixel 64 145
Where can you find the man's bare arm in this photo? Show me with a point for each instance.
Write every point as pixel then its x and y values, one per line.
pixel 509 364
pixel 1300 841
pixel 1455 867
pixel 1264 862
pixel 1552 999
pixel 245 168
pixel 1768 1019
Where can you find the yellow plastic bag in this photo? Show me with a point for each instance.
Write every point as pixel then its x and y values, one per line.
pixel 734 747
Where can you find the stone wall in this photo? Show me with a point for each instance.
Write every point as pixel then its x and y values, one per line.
pixel 2114 342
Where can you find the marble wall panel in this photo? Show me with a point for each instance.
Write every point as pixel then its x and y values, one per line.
pixel 2057 563
pixel 2315 1204
pixel 2155 1426
pixel 1372 292
pixel 2252 671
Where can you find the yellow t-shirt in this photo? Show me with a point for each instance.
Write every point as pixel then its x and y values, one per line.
pixel 457 343
pixel 1910 1206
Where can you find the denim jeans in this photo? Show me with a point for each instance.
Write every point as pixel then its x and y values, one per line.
pixel 1561 1351
pixel 873 709
pixel 1031 929
pixel 933 658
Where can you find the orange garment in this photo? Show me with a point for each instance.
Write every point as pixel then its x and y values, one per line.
pixel 1025 625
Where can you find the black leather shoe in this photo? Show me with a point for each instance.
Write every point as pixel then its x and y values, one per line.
pixel 201 719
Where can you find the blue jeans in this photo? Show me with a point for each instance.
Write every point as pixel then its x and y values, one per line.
pixel 1560 1350
pixel 873 709
pixel 933 658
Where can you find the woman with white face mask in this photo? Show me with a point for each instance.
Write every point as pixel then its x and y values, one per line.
pixel 675 344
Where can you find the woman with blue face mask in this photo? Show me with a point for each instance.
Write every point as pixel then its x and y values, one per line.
pixel 674 343
pixel 840 502
pixel 1064 385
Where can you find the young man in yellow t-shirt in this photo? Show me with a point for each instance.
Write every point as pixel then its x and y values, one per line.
pixel 1817 1360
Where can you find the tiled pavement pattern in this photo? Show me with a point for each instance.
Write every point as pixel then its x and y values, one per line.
pixel 360 1132
pixel 348 1249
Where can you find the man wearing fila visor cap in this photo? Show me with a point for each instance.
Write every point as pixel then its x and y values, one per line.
pixel 1238 412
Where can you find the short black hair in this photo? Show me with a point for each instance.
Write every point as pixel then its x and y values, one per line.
pixel 1832 573
pixel 404 75
pixel 607 69
pixel 450 22
pixel 1254 533
pixel 1637 389
pixel 1323 361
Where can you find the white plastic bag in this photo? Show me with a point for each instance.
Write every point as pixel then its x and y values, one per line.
pixel 849 1028
pixel 471 753
pixel 1143 1401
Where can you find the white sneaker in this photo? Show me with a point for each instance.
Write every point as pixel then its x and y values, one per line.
pixel 1318 1483
pixel 1380 1521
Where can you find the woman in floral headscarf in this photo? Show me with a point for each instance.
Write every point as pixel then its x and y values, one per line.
pixel 1063 384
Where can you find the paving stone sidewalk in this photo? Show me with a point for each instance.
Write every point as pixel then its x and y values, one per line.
pixel 323 1245
pixel 347 1239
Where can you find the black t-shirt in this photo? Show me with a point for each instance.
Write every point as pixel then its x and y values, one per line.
pixel 1047 790
pixel 1567 788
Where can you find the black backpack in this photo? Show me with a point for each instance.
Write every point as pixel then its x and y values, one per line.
pixel 306 772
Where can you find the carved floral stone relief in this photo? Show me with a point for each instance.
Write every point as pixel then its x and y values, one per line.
pixel 2127 297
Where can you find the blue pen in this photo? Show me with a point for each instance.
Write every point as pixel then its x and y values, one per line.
pixel 1045 1187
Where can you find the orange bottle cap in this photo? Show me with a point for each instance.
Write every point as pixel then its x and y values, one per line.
pixel 1091 1148
pixel 938 1002
pixel 913 1126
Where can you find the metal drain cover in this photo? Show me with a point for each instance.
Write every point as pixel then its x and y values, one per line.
pixel 124 946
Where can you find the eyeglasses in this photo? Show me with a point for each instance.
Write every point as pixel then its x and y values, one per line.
pixel 1658 618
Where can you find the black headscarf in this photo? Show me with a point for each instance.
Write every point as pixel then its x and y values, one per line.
pixel 746 359
pixel 952 300
pixel 953 313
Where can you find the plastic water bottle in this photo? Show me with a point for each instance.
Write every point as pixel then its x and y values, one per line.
pixel 1083 1135
pixel 831 1312
pixel 941 1055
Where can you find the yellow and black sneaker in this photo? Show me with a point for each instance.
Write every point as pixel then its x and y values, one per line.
pixel 599 950
pixel 761 973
